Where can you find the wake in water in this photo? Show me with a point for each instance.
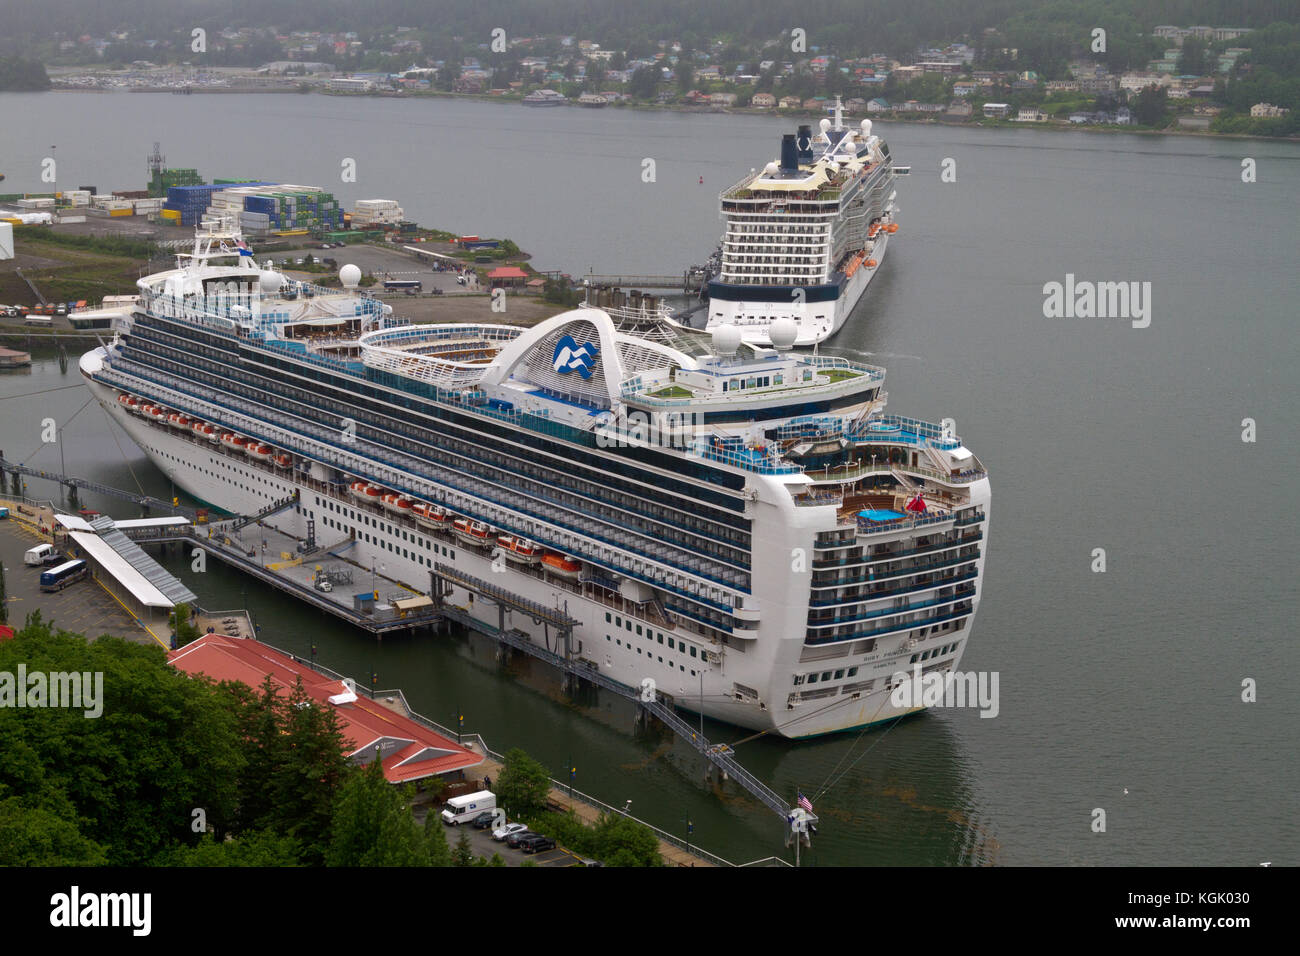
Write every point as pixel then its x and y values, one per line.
pixel 889 355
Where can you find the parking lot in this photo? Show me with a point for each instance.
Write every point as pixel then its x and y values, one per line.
pixel 83 607
pixel 483 845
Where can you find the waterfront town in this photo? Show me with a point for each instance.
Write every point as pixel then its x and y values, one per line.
pixel 1178 78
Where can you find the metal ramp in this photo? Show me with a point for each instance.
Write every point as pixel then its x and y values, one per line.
pixel 719 755
pixel 274 507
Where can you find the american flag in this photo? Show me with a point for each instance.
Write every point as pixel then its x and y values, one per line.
pixel 805 803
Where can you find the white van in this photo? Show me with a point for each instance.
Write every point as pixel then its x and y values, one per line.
pixel 464 809
pixel 41 554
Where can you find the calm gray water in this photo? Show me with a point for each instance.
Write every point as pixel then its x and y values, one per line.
pixel 1097 435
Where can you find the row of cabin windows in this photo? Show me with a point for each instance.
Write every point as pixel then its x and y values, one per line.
pixel 651 635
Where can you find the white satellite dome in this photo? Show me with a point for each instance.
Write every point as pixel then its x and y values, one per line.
pixel 726 340
pixel 825 124
pixel 782 333
pixel 350 276
pixel 270 281
pixel 866 127
pixel 771 168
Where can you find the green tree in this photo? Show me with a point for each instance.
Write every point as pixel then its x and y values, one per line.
pixel 644 83
pixel 524 786
pixel 1193 60
pixel 182 626
pixel 44 836
pixel 435 837
pixel 463 854
pixel 373 826
pixel 1150 105
pixel 312 767
pixel 256 848
pixel 622 841
pixel 163 744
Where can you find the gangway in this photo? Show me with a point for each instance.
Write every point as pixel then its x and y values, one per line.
pixel 275 507
pixel 144 501
pixel 719 755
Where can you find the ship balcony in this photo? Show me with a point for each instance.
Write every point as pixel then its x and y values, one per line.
pixel 867 598
pixel 961 610
pixel 886 556
pixel 823 582
pixel 818 619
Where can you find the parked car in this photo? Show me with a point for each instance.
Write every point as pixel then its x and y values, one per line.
pixel 324 586
pixel 513 839
pixel 484 820
pixel 587 861
pixel 509 830
pixel 536 843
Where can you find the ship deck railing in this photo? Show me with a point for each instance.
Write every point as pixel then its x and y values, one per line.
pixel 956 614
pixel 959 594
pixel 895 592
pixel 351 460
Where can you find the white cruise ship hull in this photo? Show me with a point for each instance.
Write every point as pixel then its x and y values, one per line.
pixel 815 321
pixel 235 484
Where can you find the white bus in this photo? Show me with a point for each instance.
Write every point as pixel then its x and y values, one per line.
pixel 463 809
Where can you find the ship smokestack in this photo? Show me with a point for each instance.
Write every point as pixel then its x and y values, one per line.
pixel 789 153
pixel 804 142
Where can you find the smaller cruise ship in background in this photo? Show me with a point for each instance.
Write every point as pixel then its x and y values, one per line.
pixel 806 234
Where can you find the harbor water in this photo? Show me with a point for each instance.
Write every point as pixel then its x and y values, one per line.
pixel 1119 690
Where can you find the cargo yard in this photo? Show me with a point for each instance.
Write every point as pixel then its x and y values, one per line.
pixel 68 258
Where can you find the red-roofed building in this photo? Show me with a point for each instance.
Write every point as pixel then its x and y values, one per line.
pixel 507 276
pixel 411 751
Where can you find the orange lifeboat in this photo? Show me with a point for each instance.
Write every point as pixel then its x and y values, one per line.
pixel 282 460
pixel 235 442
pixel 892 228
pixel 156 412
pixel 124 400
pixel 358 489
pixel 259 450
pixel 472 532
pixel 561 566
pixel 519 550
pixel 433 517
pixel 871 263
pixel 398 504
pixel 179 420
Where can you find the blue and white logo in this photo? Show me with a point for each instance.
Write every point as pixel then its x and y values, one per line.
pixel 572 357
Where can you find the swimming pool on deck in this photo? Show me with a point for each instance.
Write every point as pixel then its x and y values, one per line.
pixel 873 514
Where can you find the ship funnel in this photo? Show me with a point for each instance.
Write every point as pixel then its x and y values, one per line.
pixel 804 142
pixel 789 153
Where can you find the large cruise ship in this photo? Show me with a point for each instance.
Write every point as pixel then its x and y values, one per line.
pixel 806 234
pixel 744 526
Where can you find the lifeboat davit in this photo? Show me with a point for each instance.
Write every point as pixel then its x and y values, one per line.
pixel 282 460
pixel 433 517
pixel 259 450
pixel 561 566
pixel 398 504
pixel 519 550
pixel 472 532
pixel 234 442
